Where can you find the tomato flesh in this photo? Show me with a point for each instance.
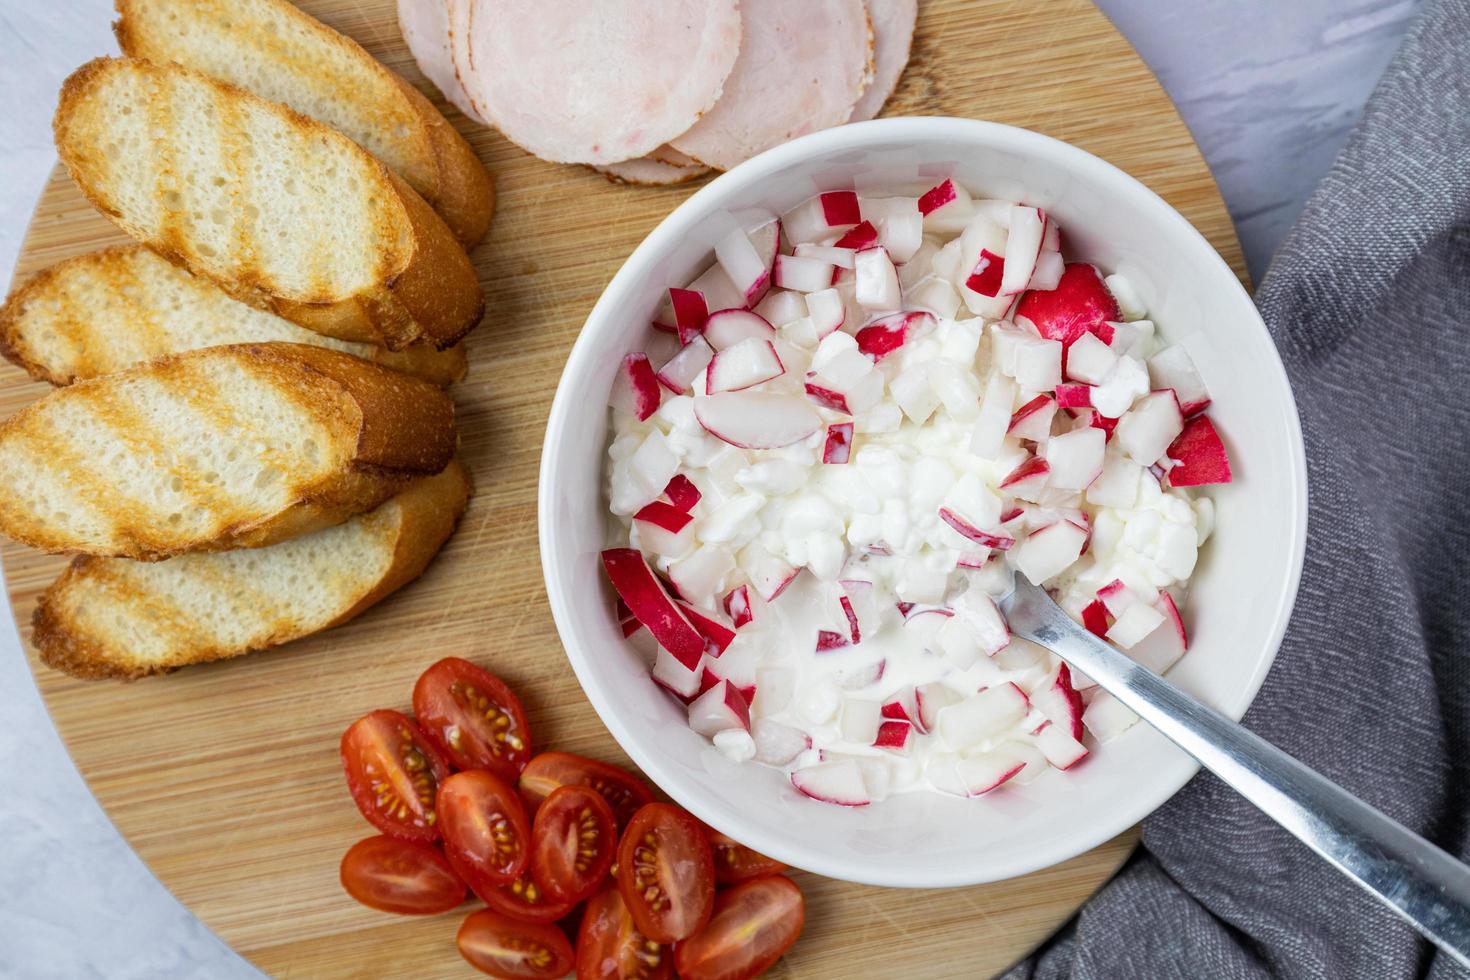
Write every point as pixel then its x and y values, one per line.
pixel 666 873
pixel 502 947
pixel 610 947
pixel 753 925
pixel 393 773
pixel 476 721
pixel 624 792
pixel 524 901
pixel 402 876
pixel 573 842
pixel 485 830
pixel 734 862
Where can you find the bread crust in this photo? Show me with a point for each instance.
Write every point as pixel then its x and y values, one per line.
pixel 424 290
pixel 426 513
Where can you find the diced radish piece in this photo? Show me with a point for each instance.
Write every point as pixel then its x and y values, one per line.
pixel 984 771
pixel 747 269
pixel 818 217
pixel 861 676
pixel 930 699
pixel 925 622
pixel 934 295
pixel 1107 717
pixel 1136 622
pixel 1199 455
pixel 1038 365
pixel 947 208
pixel 1089 359
pixel 1074 396
pixel 1098 420
pixel 827 311
pixel 982 716
pixel 1076 458
pixel 1080 304
pixel 1125 383
pixel 876 280
pixel 841 258
pixel 861 396
pixel 895 736
pixel 1052 240
pixel 777 744
pixel 995 417
pixel 678 679
pixel 1171 613
pixel 689 312
pixel 838 447
pixel 744 365
pixel 679 371
pixel 981 617
pixel 900 226
pixel 1000 542
pixel 1060 748
pixel 1117 597
pixel 719 709
pixel 664 515
pixel 1173 368
pixel 840 208
pixel 972 560
pixel 887 334
pixel 804 275
pixel 858 720
pixel 1060 702
pixel 1050 551
pixel 1095 618
pixel 902 705
pixel 1049 267
pixel 718 291
pixel 833 782
pixel 988 274
pixel 1162 647
pixel 757 419
pixel 1033 419
pixel 1148 429
pixel 912 393
pixel 701 575
pixel 781 306
pixel 718 634
pixel 854 628
pixel 1117 485
pixel 1027 480
pixel 648 600
pixel 829 640
pixel 635 389
pixel 769 573
pixel 1023 245
pixel 664 529
pixel 726 328
pixel 737 606
pixel 682 492
pixel 1133 337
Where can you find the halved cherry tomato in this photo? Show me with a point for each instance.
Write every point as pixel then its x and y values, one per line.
pixel 573 842
pixel 501 947
pixel 666 873
pixel 754 923
pixel 524 901
pixel 473 717
pixel 393 773
pixel 486 833
pixel 734 862
pixel 403 876
pixel 610 947
pixel 624 792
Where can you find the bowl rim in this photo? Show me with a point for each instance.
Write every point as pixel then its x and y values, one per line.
pixel 856 136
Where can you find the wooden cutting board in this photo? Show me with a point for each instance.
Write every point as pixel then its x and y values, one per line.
pixel 225 777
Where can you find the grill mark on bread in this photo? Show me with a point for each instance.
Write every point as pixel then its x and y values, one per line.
pixel 112 577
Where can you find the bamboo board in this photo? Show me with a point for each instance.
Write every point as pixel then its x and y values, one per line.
pixel 225 777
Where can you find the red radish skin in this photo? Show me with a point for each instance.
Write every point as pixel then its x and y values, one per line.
pixel 737 606
pixel 832 782
pixel 986 277
pixel 838 448
pixel 1033 419
pixel 679 372
pixel 690 311
pixel 651 603
pixel 830 640
pixel 1171 613
pixel 852 621
pixel 726 328
pixel 827 398
pixel 745 365
pixel 719 635
pixel 1074 396
pixel 937 197
pixel 1095 618
pixel 1080 304
pixel 637 389
pixel 1200 455
pixel 1034 470
pixel 757 419
pixel 664 515
pixel 887 334
pixel 682 492
pixel 896 736
pixel 1000 542
pixel 863 235
pixel 841 208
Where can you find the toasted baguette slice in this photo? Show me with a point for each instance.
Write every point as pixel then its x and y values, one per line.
pixel 106 311
pixel 270 48
pixel 219 448
pixel 283 212
pixel 111 617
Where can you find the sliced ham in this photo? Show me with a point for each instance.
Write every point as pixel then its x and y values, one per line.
pixel 664 165
pixel 597 81
pixel 803 65
pixel 893 35
pixel 425 27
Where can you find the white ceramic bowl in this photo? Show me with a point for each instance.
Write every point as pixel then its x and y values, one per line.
pixel 1242 591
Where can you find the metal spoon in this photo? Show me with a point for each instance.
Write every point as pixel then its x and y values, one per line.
pixel 1423 884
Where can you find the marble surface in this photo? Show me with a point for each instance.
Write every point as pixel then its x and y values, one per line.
pixel 1270 90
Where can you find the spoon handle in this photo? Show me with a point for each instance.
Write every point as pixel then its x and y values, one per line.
pixel 1418 880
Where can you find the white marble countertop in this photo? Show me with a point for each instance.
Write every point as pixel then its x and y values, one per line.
pixel 1269 89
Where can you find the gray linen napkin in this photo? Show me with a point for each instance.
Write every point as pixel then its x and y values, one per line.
pixel 1369 303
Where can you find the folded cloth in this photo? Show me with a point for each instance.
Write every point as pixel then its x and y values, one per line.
pixel 1369 304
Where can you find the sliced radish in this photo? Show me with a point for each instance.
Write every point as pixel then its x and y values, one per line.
pixel 746 364
pixel 749 271
pixel 676 677
pixel 688 311
pixel 930 699
pixel 946 207
pixel 984 771
pixel 777 744
pixel 1000 542
pixel 1023 245
pixel 827 311
pixel 1049 267
pixel 1171 613
pixel 1050 551
pixel 805 275
pixel 1161 648
pixel 854 628
pixel 833 782
pixel 1107 717
pixel 726 328
pixel 635 389
pixel 1095 618
pixel 838 447
pixel 718 291
pixel 1199 455
pixel 781 306
pixel 988 274
pixel 1135 623
pixel 902 705
pixel 1080 304
pixel 1060 702
pixel 719 709
pixel 1117 485
pixel 648 600
pixel 859 720
pixel 1061 749
pixel 682 492
pixel 875 280
pixel 895 736
pixel 818 217
pixel 982 716
pixel 900 226
pixel 1038 364
pixel 1173 368
pixel 718 634
pixel 1033 419
pixel 770 574
pixel 679 371
pixel 737 606
pixel 1027 480
pixel 972 560
pixel 995 417
pixel 1090 360
pixel 1074 396
pixel 1076 458
pixel 841 258
pixel 862 235
pixel 664 515
pixel 1124 384
pixel 701 575
pixel 1146 431
pixel 1117 597
pixel 887 334
pixel 829 640
pixel 757 419
pixel 982 618
pixel 844 382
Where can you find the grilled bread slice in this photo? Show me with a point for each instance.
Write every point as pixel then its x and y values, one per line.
pixel 272 49
pixel 109 310
pixel 219 448
pixel 283 212
pixel 111 617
